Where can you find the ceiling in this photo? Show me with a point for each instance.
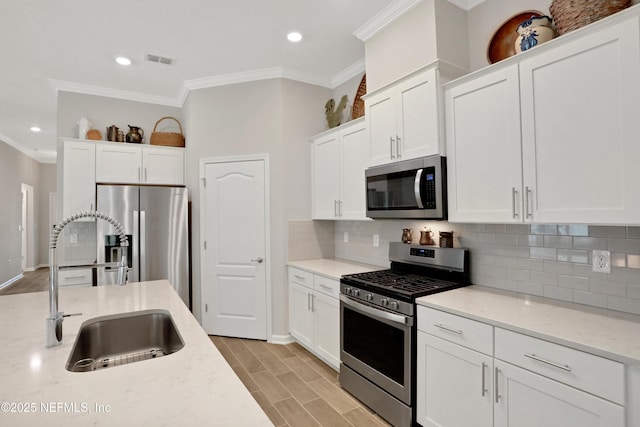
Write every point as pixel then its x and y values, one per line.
pixel 71 45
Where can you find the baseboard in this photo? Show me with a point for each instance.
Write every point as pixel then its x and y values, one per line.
pixel 10 281
pixel 42 266
pixel 281 339
pixel 30 269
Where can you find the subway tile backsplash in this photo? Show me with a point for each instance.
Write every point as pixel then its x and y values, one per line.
pixel 554 261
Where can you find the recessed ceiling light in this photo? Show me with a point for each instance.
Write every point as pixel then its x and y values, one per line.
pixel 294 36
pixel 35 129
pixel 123 61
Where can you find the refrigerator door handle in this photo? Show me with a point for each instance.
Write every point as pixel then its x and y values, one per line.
pixel 143 246
pixel 136 243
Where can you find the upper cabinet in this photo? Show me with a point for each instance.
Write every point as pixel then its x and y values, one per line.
pixel 76 177
pixel 549 136
pixel 139 164
pixel 404 119
pixel 339 158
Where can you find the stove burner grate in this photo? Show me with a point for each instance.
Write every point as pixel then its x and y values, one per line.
pixel 406 283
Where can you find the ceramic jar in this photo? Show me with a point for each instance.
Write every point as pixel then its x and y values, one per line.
pixel 534 31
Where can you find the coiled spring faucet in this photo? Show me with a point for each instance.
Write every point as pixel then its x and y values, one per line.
pixel 54 321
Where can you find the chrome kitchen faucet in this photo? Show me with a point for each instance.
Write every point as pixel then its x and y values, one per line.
pixel 54 321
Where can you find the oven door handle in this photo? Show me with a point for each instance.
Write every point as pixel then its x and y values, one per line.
pixel 379 314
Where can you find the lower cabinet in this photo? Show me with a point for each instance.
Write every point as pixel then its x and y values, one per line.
pixel 474 374
pixel 82 277
pixel 314 314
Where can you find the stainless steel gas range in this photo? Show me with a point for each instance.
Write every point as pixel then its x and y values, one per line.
pixel 378 326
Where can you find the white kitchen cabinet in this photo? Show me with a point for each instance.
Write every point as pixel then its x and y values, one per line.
pixel 139 164
pixel 338 162
pixel 503 378
pixel 580 128
pixel 79 277
pixel 403 119
pixel 314 314
pixel 484 163
pixel 300 314
pixel 526 399
pixel 451 377
pixel 550 135
pixel 76 165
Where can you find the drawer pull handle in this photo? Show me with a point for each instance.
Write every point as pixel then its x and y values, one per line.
pixel 325 286
pixel 455 331
pixel 73 277
pixel 298 277
pixel 555 365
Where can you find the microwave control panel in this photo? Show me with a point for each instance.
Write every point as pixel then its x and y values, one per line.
pixel 429 189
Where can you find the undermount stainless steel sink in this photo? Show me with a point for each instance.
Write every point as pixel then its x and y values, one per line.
pixel 118 339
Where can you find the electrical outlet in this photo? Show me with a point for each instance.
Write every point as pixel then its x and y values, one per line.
pixel 346 237
pixel 376 240
pixel 601 261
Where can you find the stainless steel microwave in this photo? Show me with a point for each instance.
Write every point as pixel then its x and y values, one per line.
pixel 415 188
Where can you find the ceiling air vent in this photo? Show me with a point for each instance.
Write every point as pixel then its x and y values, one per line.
pixel 157 58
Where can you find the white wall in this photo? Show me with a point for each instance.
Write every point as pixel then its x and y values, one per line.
pixel 270 116
pixel 16 169
pixel 434 29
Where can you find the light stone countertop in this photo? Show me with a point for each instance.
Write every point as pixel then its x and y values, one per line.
pixel 333 268
pixel 192 387
pixel 611 334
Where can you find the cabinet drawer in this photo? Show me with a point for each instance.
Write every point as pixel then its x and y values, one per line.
pixel 593 374
pixel 326 286
pixel 75 277
pixel 460 330
pixel 301 277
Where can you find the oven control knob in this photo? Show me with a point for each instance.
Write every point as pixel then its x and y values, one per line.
pixel 394 305
pixel 347 291
pixel 369 297
pixel 384 301
pixel 356 292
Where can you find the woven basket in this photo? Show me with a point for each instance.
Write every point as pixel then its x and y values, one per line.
pixel 358 104
pixel 570 15
pixel 169 139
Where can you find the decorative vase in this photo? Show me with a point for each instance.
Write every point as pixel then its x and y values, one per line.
pixel 534 31
pixel 83 126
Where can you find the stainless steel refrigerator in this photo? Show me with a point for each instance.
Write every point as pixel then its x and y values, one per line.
pixel 155 220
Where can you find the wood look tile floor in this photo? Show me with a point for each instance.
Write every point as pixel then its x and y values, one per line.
pixel 33 281
pixel 293 387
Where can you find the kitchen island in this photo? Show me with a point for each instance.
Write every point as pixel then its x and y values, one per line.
pixel 193 387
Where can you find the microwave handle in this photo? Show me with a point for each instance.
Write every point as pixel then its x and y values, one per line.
pixel 416 188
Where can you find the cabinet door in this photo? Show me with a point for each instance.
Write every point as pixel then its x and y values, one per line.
pixel 326 331
pixel 326 177
pixel 483 149
pixel 118 163
pixel 163 165
pixel 381 124
pixel 300 314
pixel 580 129
pixel 354 162
pixel 525 399
pixel 78 178
pixel 417 113
pixel 454 385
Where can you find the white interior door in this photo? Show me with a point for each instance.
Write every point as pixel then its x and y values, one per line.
pixel 234 264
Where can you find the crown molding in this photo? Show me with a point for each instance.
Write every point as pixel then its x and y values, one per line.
pixel 466 5
pixel 250 76
pixel 38 156
pixel 60 85
pixel 353 70
pixel 385 17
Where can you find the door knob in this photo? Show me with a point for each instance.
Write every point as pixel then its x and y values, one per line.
pixel 258 260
